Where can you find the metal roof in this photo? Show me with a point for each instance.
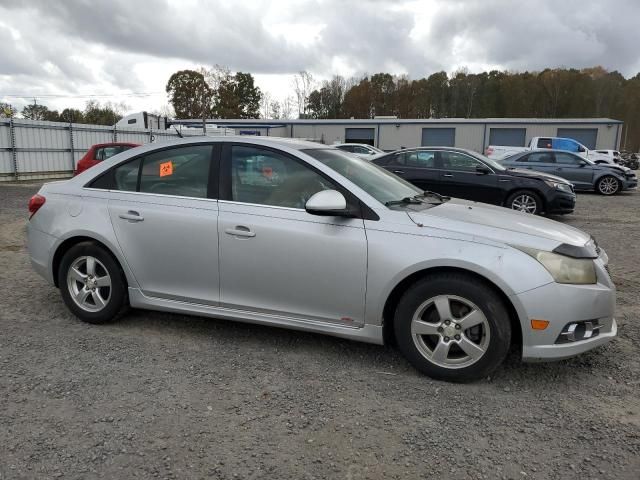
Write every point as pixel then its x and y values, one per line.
pixel 271 123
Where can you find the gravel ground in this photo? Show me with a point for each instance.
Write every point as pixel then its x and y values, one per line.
pixel 171 396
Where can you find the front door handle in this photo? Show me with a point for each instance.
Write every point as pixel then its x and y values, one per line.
pixel 240 231
pixel 132 216
pixel 447 175
pixel 399 172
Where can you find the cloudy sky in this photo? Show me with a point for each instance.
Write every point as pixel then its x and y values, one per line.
pixel 125 50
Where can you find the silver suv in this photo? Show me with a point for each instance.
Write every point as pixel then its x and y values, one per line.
pixel 301 235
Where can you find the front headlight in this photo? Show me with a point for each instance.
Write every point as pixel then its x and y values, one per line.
pixel 564 269
pixel 565 187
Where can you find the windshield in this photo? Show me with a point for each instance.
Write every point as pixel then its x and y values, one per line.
pixel 376 181
pixel 492 163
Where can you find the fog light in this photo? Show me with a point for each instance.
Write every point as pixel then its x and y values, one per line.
pixel 539 324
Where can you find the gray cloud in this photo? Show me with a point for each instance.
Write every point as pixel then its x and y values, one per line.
pixel 82 45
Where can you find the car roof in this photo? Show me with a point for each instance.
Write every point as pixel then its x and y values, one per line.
pixel 448 149
pixel 114 144
pixel 293 143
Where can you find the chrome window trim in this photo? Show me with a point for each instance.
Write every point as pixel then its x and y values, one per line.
pixel 149 194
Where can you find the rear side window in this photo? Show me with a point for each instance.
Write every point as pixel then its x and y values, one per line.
pixel 539 157
pixel 182 171
pixel 420 159
pixel 544 143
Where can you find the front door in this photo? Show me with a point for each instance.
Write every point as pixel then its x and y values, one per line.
pixel 574 169
pixel 166 225
pixel 460 178
pixel 417 167
pixel 275 258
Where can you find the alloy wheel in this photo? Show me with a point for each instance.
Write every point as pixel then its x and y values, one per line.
pixel 524 203
pixel 608 186
pixel 450 331
pixel 89 283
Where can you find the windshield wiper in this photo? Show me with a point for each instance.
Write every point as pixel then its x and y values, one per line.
pixel 404 201
pixel 429 193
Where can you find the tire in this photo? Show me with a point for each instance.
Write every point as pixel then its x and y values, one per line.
pixel 97 297
pixel 525 201
pixel 608 185
pixel 470 353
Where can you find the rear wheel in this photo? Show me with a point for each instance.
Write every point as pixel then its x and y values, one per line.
pixel 525 201
pixel 452 327
pixel 91 283
pixel 608 185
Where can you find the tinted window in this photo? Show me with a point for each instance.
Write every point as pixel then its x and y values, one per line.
pixel 180 171
pixel 459 161
pixel 538 157
pixel 420 159
pixel 346 148
pixel 568 159
pixel 361 150
pixel 107 152
pixel 266 177
pixel 544 143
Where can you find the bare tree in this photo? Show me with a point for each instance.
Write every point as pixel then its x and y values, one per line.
pixel 303 85
pixel 287 107
pixel 265 105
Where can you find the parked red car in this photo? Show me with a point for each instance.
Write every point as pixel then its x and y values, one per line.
pixel 100 152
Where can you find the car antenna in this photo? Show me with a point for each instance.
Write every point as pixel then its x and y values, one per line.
pixel 178 131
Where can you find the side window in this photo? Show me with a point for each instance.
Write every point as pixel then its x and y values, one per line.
pixel 544 143
pixel 107 152
pixel 538 157
pixel 361 150
pixel 99 154
pixel 421 159
pixel 266 177
pixel 459 161
pixel 180 171
pixel 346 148
pixel 567 159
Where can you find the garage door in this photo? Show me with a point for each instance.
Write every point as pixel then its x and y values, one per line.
pixel 359 135
pixel 438 137
pixel 586 136
pixel 511 137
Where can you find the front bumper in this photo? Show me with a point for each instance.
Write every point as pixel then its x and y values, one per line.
pixel 562 305
pixel 560 202
pixel 630 183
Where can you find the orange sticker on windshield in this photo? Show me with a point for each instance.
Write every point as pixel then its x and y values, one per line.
pixel 166 168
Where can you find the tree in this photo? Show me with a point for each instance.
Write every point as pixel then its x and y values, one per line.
pixel 189 94
pixel 72 115
pixel 7 110
pixel 34 112
pixel 237 97
pixel 97 114
pixel 303 85
pixel 51 116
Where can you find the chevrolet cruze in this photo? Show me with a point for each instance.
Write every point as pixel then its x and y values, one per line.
pixel 303 236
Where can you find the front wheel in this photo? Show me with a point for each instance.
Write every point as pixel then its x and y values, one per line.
pixel 608 185
pixel 525 201
pixel 452 327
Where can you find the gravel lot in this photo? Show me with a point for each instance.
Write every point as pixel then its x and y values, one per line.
pixel 170 396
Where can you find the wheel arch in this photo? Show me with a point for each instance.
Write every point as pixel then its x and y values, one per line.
pixel 71 241
pixel 396 293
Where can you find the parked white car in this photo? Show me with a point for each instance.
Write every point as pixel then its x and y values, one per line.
pixel 500 152
pixel 362 150
pixel 612 156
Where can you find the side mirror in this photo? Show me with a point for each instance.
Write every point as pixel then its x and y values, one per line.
pixel 583 163
pixel 328 203
pixel 482 170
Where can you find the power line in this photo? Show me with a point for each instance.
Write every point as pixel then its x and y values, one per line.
pixel 88 95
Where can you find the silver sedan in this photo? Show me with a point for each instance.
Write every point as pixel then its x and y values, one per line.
pixel 301 235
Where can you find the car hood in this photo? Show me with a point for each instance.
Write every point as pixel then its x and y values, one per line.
pixel 608 166
pixel 500 225
pixel 520 172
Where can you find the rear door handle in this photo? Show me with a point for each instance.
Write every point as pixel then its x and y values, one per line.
pixel 447 174
pixel 132 216
pixel 399 172
pixel 240 231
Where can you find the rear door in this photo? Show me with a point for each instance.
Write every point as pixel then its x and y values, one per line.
pixel 417 167
pixel 277 259
pixel 164 213
pixel 575 169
